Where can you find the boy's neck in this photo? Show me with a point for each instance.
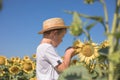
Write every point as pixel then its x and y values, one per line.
pixel 46 40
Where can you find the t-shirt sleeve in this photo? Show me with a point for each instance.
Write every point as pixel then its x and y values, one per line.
pixel 52 57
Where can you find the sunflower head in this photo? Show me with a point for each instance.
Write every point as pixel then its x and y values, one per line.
pixel 28 66
pixel 33 78
pixel 26 58
pixel 77 43
pixel 12 59
pixel 34 56
pixel 14 69
pixel 105 44
pixel 87 50
pixel 3 60
pixel 77 46
pixel 2 73
pixel 17 59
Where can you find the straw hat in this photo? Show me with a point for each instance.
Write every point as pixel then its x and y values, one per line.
pixel 53 23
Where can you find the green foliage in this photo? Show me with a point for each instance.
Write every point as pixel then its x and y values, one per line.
pixel 104 50
pixel 76 26
pixel 90 26
pixel 95 18
pixel 81 71
pixel 115 34
pixel 107 65
pixel 75 72
pixel 115 57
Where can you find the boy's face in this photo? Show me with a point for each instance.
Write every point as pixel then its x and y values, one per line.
pixel 58 38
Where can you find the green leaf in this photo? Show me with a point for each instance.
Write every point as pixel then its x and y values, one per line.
pixel 76 18
pixel 76 72
pixel 102 58
pixel 76 25
pixel 104 50
pixel 96 18
pixel 91 26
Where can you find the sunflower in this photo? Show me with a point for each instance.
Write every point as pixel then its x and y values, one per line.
pixel 33 78
pixel 26 58
pixel 2 73
pixel 86 51
pixel 77 45
pixel 14 69
pixel 34 56
pixel 3 60
pixel 104 44
pixel 28 66
pixel 12 59
pixel 17 59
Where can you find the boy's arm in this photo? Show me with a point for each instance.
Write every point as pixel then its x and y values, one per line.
pixel 69 53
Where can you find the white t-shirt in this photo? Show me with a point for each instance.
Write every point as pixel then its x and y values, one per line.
pixel 47 60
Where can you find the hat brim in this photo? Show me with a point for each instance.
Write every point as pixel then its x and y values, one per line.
pixel 53 28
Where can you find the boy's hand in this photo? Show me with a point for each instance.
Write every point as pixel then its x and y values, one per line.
pixel 70 50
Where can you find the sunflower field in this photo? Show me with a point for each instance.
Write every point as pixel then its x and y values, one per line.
pixel 17 68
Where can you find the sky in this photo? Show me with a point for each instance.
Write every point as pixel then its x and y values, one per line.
pixel 21 20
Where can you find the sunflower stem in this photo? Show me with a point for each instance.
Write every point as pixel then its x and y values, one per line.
pixel 111 39
pixel 106 16
pixel 88 35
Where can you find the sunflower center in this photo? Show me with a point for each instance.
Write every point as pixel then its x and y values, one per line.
pixel 88 50
pixel 14 69
pixel 2 61
pixel 28 66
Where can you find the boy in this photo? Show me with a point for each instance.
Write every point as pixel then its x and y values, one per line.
pixel 49 64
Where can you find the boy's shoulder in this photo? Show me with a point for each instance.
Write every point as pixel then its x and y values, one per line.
pixel 44 45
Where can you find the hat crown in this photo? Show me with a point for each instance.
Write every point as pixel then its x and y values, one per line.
pixel 53 22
